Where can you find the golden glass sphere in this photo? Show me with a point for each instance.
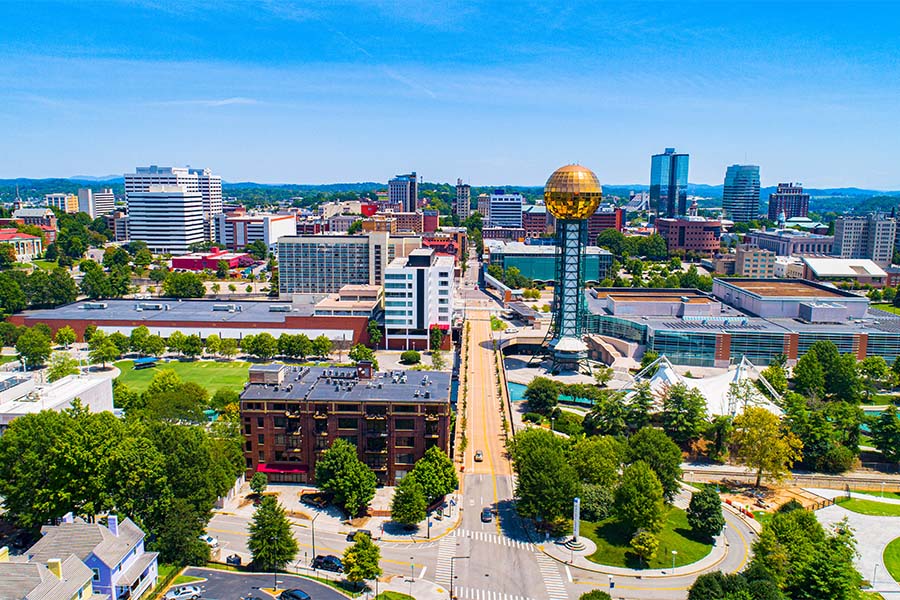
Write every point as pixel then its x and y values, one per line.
pixel 572 193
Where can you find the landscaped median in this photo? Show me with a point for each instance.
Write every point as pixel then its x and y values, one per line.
pixel 891 558
pixel 613 541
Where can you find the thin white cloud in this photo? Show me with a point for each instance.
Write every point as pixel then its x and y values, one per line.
pixel 211 103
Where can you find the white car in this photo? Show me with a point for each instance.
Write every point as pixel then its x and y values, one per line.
pixel 511 330
pixel 209 540
pixel 185 592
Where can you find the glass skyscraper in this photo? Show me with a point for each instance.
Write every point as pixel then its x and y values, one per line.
pixel 740 196
pixel 668 183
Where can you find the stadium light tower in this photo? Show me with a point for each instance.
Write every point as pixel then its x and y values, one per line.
pixel 572 195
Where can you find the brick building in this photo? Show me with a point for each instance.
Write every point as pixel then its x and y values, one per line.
pixel 690 234
pixel 291 415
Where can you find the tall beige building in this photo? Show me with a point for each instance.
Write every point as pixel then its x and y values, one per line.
pixel 871 237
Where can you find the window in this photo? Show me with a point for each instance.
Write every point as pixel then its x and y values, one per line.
pixel 347 408
pixel 347 423
pixel 405 424
pixel 405 459
pixel 261 439
pixel 259 422
pixel 406 442
pixel 280 422
pixel 404 408
pixel 96 576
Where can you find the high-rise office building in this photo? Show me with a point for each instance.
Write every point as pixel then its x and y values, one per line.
pixel 405 190
pixel 668 183
pixel 418 295
pixel 790 200
pixel 169 218
pixel 463 200
pixel 505 210
pixel 194 180
pixel 68 203
pixel 869 237
pixel 740 196
pixel 96 204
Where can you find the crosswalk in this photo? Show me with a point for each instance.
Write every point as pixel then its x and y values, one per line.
pixel 446 549
pixel 493 538
pixel 553 581
pixel 478 594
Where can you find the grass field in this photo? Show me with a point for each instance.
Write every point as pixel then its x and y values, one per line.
pixel 47 265
pixel 613 547
pixel 210 374
pixel 871 507
pixel 5 358
pixel 887 308
pixel 393 596
pixel 892 495
pixel 891 559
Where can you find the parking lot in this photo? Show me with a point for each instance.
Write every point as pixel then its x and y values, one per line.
pixel 226 585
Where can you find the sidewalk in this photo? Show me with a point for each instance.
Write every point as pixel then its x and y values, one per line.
pixel 832 494
pixel 420 589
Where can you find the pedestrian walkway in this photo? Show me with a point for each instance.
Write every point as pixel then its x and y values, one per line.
pixel 553 581
pixel 445 553
pixel 832 494
pixel 469 593
pixel 493 538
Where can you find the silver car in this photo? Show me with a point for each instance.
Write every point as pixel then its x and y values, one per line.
pixel 185 592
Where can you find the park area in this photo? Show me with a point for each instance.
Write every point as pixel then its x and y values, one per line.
pixel 211 374
pixel 613 543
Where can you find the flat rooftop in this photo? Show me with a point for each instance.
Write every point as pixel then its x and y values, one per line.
pixel 340 384
pixel 790 288
pixel 167 309
pixel 653 295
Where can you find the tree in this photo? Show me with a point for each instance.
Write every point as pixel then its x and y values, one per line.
pixel 61 365
pixel 65 336
pixel 595 594
pixel 154 346
pixel 257 249
pixel 12 297
pixel 158 275
pixel 607 416
pixel 644 544
pixel 229 347
pixel 684 413
pixel 361 560
pixel 178 535
pixel 348 479
pixel 122 342
pixel 137 483
pixel 542 395
pixel 874 370
pixel 662 454
pixel 602 375
pixel 597 460
pixel 410 357
pixel 95 283
pixel 222 269
pixel 8 256
pixel 435 337
pixel 776 377
pixel 648 358
pixel 436 474
pixel 613 240
pixel 192 346
pixel 258 483
pixel 33 346
pixel 596 501
pixel 639 498
pixel 705 513
pixel 176 341
pixel 437 360
pixel 359 353
pixel 213 343
pixel 719 434
pixel 138 339
pixel 184 285
pixel 885 432
pixel 760 442
pixel 547 483
pixel 271 542
pixel 321 346
pixel 408 504
pixel 102 349
pixel 263 346
pixel 374 331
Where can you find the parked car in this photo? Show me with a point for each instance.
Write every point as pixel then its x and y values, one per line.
pixel 185 592
pixel 233 560
pixel 479 456
pixel 351 537
pixel 328 562
pixel 487 515
pixel 511 330
pixel 315 499
pixel 209 540
pixel 294 595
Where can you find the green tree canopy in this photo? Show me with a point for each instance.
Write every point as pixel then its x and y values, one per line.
pixel 271 541
pixel 408 504
pixel 547 484
pixel 597 460
pixel 340 472
pixel 361 560
pixel 684 413
pixel 762 443
pixel 542 395
pixel 705 513
pixel 184 285
pixel 61 365
pixel 436 474
pixel 34 346
pixel 662 455
pixel 639 498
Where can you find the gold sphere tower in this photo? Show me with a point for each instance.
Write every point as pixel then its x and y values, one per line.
pixel 572 194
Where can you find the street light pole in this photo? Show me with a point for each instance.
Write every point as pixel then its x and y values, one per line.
pixel 412 573
pixel 274 541
pixel 452 558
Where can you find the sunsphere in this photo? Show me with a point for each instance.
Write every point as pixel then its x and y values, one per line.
pixel 572 193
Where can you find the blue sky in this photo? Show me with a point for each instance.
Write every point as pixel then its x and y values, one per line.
pixel 494 92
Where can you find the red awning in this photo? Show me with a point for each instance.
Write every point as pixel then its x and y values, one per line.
pixel 275 468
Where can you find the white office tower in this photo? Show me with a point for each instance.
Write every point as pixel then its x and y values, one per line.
pixel 418 295
pixel 169 218
pixel 462 208
pixel 505 210
pixel 194 180
pixel 96 204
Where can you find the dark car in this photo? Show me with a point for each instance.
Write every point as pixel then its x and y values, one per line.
pixel 233 560
pixel 315 499
pixel 328 563
pixel 351 537
pixel 487 515
pixel 294 595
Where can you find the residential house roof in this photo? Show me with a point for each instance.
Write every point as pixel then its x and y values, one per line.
pixel 84 539
pixel 34 581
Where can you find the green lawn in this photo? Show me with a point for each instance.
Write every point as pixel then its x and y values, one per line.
pixel 5 358
pixel 393 596
pixel 613 547
pixel 887 308
pixel 871 507
pixel 891 559
pixel 46 265
pixel 185 579
pixel 210 374
pixel 892 495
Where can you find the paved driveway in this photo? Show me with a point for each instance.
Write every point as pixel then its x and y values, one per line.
pixel 227 585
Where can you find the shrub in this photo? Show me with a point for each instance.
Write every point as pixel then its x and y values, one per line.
pixel 531 417
pixel 410 357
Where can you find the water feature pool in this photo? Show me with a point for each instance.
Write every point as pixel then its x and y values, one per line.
pixel 517 394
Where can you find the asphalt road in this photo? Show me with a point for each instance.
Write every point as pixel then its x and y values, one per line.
pixel 226 585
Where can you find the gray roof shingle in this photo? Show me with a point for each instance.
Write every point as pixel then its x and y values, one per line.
pixel 83 539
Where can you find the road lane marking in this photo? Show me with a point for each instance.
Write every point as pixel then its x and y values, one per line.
pixel 422 574
pixel 569 573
